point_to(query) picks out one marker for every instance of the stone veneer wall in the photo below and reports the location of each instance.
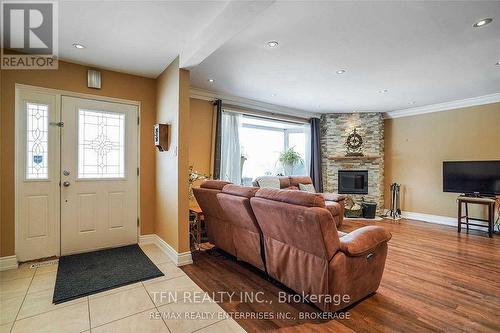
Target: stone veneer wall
(335, 128)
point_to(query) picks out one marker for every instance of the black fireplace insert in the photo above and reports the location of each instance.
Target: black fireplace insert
(353, 181)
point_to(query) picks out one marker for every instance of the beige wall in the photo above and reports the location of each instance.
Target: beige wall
(200, 137)
(172, 210)
(73, 77)
(417, 146)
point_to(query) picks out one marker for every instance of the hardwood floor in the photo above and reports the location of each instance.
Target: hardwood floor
(434, 280)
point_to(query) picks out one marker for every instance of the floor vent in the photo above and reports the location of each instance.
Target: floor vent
(44, 263)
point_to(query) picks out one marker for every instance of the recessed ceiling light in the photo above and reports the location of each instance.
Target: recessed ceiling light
(341, 71)
(79, 46)
(413, 103)
(211, 80)
(272, 43)
(274, 95)
(383, 91)
(498, 63)
(482, 22)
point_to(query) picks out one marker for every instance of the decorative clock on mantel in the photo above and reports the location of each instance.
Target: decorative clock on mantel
(354, 143)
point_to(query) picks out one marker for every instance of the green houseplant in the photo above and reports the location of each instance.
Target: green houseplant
(289, 159)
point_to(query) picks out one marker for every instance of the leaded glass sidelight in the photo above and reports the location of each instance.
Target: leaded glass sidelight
(37, 138)
(101, 144)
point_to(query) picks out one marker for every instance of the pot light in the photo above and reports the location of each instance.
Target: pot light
(341, 71)
(383, 91)
(482, 22)
(211, 80)
(498, 63)
(79, 46)
(272, 43)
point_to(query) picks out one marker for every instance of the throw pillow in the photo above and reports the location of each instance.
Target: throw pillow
(307, 188)
(272, 182)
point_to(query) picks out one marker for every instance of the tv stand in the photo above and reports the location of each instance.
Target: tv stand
(477, 195)
(487, 201)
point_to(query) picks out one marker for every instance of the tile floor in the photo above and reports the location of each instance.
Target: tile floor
(26, 304)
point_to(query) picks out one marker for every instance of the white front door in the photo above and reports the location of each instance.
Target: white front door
(98, 175)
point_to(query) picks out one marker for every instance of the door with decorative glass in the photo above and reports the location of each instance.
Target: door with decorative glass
(98, 175)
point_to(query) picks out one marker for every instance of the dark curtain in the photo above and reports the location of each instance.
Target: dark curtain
(315, 169)
(217, 154)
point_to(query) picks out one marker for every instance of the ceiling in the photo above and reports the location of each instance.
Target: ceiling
(136, 37)
(422, 53)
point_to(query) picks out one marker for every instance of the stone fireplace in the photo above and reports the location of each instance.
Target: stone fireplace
(360, 176)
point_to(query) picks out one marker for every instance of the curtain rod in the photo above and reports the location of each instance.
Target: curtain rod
(264, 114)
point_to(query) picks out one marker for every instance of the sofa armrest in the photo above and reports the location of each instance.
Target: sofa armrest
(333, 197)
(363, 240)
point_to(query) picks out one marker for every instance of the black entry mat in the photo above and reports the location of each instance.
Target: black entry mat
(85, 274)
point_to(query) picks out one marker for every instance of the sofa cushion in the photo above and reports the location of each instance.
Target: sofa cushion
(307, 188)
(296, 180)
(214, 184)
(240, 191)
(292, 197)
(269, 182)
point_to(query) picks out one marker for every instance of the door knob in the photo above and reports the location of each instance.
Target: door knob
(66, 184)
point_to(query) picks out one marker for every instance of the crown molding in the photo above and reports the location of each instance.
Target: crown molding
(250, 103)
(462, 103)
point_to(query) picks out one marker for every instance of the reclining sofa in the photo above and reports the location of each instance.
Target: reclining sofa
(293, 237)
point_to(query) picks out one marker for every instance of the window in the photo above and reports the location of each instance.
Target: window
(37, 138)
(263, 140)
(101, 144)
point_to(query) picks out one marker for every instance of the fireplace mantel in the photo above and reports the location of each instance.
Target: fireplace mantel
(353, 158)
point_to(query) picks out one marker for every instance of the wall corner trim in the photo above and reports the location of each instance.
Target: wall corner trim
(8, 262)
(179, 259)
(457, 104)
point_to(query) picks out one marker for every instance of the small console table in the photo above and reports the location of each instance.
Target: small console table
(489, 202)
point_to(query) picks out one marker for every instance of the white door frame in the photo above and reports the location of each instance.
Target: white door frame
(18, 162)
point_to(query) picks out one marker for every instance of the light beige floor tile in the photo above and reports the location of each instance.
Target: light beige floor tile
(5, 328)
(47, 269)
(43, 281)
(228, 325)
(169, 269)
(144, 322)
(168, 291)
(156, 255)
(9, 307)
(117, 290)
(41, 301)
(119, 305)
(73, 318)
(192, 316)
(14, 288)
(22, 272)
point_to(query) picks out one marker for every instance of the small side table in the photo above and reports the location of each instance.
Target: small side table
(489, 202)
(195, 225)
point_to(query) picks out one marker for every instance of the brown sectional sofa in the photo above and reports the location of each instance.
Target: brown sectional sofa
(334, 202)
(292, 235)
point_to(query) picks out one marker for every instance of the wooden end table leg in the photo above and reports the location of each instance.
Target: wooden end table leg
(459, 216)
(491, 219)
(467, 216)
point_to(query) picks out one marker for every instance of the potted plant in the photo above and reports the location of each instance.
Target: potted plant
(289, 159)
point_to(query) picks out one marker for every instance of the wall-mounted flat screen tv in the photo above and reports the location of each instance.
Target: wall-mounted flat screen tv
(472, 177)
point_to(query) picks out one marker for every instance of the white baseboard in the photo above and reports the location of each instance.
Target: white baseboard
(438, 219)
(180, 259)
(9, 262)
(446, 220)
